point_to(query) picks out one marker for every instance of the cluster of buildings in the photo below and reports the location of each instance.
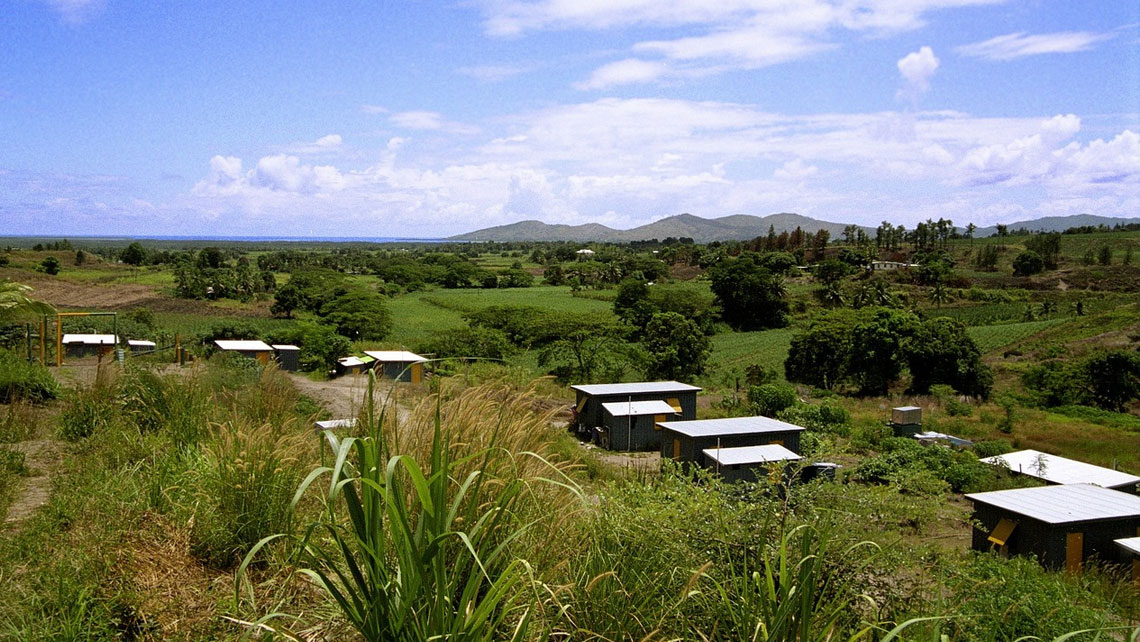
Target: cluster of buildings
(398, 365)
(662, 416)
(1083, 512)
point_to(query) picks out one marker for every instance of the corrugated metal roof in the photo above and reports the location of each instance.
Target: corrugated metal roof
(639, 387)
(244, 345)
(284, 346)
(350, 361)
(141, 343)
(907, 408)
(638, 408)
(1063, 504)
(332, 424)
(1130, 544)
(90, 339)
(731, 426)
(401, 356)
(750, 455)
(1059, 470)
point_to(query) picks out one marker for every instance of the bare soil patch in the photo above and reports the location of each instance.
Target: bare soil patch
(342, 397)
(43, 458)
(72, 295)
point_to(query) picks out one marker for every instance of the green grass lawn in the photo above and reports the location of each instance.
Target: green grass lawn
(547, 297)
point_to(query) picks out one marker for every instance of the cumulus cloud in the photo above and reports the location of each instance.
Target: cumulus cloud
(916, 69)
(1019, 45)
(624, 72)
(630, 160)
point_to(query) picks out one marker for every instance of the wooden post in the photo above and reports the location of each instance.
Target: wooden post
(58, 340)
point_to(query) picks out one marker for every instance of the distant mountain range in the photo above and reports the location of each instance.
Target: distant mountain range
(739, 227)
(702, 230)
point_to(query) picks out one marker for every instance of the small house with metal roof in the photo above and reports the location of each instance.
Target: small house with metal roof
(746, 463)
(88, 345)
(1131, 549)
(352, 365)
(251, 348)
(288, 356)
(686, 441)
(681, 397)
(1062, 525)
(399, 365)
(1052, 469)
(631, 425)
(141, 346)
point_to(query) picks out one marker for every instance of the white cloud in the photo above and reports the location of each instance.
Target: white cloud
(329, 144)
(494, 73)
(916, 69)
(632, 160)
(624, 72)
(730, 34)
(1019, 45)
(75, 11)
(373, 109)
(430, 121)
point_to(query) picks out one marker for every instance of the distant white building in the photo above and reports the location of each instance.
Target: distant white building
(585, 253)
(879, 266)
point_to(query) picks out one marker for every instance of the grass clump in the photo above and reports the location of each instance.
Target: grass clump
(243, 483)
(24, 381)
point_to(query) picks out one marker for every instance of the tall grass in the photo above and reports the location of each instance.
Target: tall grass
(23, 381)
(415, 542)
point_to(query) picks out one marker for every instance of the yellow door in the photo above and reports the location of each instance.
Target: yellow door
(656, 420)
(263, 357)
(417, 372)
(1136, 571)
(775, 443)
(676, 448)
(1074, 552)
(675, 403)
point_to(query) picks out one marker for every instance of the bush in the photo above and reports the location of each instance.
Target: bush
(771, 398)
(1027, 263)
(826, 417)
(20, 380)
(992, 448)
(472, 342)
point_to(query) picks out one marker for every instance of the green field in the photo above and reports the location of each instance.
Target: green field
(738, 350)
(994, 337)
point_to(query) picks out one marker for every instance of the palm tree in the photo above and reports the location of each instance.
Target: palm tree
(15, 302)
(939, 295)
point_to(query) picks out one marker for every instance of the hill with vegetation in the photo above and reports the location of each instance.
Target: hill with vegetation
(739, 227)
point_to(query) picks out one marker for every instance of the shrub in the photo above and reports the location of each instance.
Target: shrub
(826, 417)
(1027, 263)
(20, 380)
(992, 448)
(770, 399)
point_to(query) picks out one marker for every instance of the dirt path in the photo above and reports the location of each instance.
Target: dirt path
(342, 396)
(43, 458)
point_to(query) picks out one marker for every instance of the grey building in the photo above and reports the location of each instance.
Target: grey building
(88, 345)
(288, 357)
(1130, 546)
(906, 421)
(632, 425)
(681, 397)
(1062, 525)
(398, 365)
(746, 463)
(685, 441)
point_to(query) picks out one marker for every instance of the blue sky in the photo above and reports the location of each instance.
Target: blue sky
(425, 119)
